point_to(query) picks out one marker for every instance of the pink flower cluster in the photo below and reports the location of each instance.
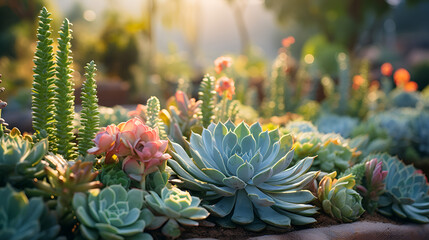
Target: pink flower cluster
(137, 142)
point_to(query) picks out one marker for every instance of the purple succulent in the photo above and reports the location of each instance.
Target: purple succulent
(372, 186)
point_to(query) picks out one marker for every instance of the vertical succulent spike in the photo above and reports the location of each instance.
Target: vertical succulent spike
(344, 82)
(43, 84)
(207, 95)
(3, 104)
(153, 120)
(90, 119)
(64, 100)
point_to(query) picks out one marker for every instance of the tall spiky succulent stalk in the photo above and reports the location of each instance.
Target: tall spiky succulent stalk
(43, 84)
(153, 120)
(207, 95)
(344, 81)
(90, 119)
(2, 105)
(276, 87)
(64, 101)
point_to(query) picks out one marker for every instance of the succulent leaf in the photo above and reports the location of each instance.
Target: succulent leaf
(235, 166)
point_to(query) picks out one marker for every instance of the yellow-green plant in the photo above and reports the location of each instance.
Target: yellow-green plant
(90, 119)
(207, 95)
(64, 99)
(43, 84)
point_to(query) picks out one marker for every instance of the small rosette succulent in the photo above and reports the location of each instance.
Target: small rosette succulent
(173, 207)
(406, 193)
(338, 198)
(141, 146)
(20, 158)
(372, 185)
(112, 213)
(23, 218)
(306, 144)
(420, 127)
(243, 173)
(331, 123)
(66, 178)
(112, 174)
(334, 155)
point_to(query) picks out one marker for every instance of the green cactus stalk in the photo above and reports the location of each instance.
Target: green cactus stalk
(344, 82)
(43, 84)
(276, 87)
(64, 101)
(90, 119)
(207, 95)
(153, 120)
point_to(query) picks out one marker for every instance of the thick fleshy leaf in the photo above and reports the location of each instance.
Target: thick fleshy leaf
(258, 197)
(171, 229)
(270, 216)
(194, 213)
(241, 130)
(223, 191)
(245, 172)
(248, 145)
(135, 198)
(233, 163)
(256, 160)
(214, 174)
(243, 211)
(187, 222)
(234, 182)
(297, 219)
(223, 207)
(83, 217)
(255, 130)
(264, 142)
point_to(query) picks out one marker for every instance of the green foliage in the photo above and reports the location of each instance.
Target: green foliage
(24, 218)
(20, 159)
(64, 99)
(242, 172)
(112, 213)
(332, 123)
(65, 179)
(207, 95)
(112, 115)
(43, 85)
(402, 99)
(344, 82)
(276, 86)
(406, 193)
(153, 120)
(173, 207)
(112, 174)
(89, 118)
(338, 199)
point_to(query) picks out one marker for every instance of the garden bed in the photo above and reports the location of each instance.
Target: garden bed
(373, 226)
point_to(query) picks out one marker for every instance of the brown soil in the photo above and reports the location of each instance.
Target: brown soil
(240, 233)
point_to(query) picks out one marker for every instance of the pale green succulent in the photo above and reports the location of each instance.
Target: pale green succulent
(173, 207)
(332, 123)
(406, 191)
(24, 219)
(338, 198)
(20, 158)
(112, 213)
(242, 172)
(300, 127)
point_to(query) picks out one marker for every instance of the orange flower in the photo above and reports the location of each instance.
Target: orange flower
(286, 42)
(410, 87)
(221, 63)
(226, 85)
(357, 82)
(374, 85)
(401, 77)
(386, 69)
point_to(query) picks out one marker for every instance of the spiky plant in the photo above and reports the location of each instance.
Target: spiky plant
(242, 172)
(207, 95)
(64, 99)
(153, 120)
(43, 84)
(3, 104)
(90, 119)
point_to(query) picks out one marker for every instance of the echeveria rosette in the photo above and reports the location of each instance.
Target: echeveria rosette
(112, 213)
(338, 198)
(372, 185)
(20, 159)
(406, 192)
(112, 174)
(174, 207)
(243, 173)
(334, 154)
(23, 218)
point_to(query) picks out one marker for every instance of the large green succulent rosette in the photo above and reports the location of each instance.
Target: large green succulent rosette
(112, 213)
(242, 173)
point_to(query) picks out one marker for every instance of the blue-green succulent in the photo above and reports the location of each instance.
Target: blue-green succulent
(331, 123)
(23, 218)
(406, 191)
(244, 176)
(112, 213)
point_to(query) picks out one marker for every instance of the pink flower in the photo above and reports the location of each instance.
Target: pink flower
(106, 141)
(226, 85)
(221, 63)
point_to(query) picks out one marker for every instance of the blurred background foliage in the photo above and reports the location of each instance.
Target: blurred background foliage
(150, 47)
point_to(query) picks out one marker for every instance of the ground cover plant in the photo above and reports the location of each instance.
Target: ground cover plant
(154, 172)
